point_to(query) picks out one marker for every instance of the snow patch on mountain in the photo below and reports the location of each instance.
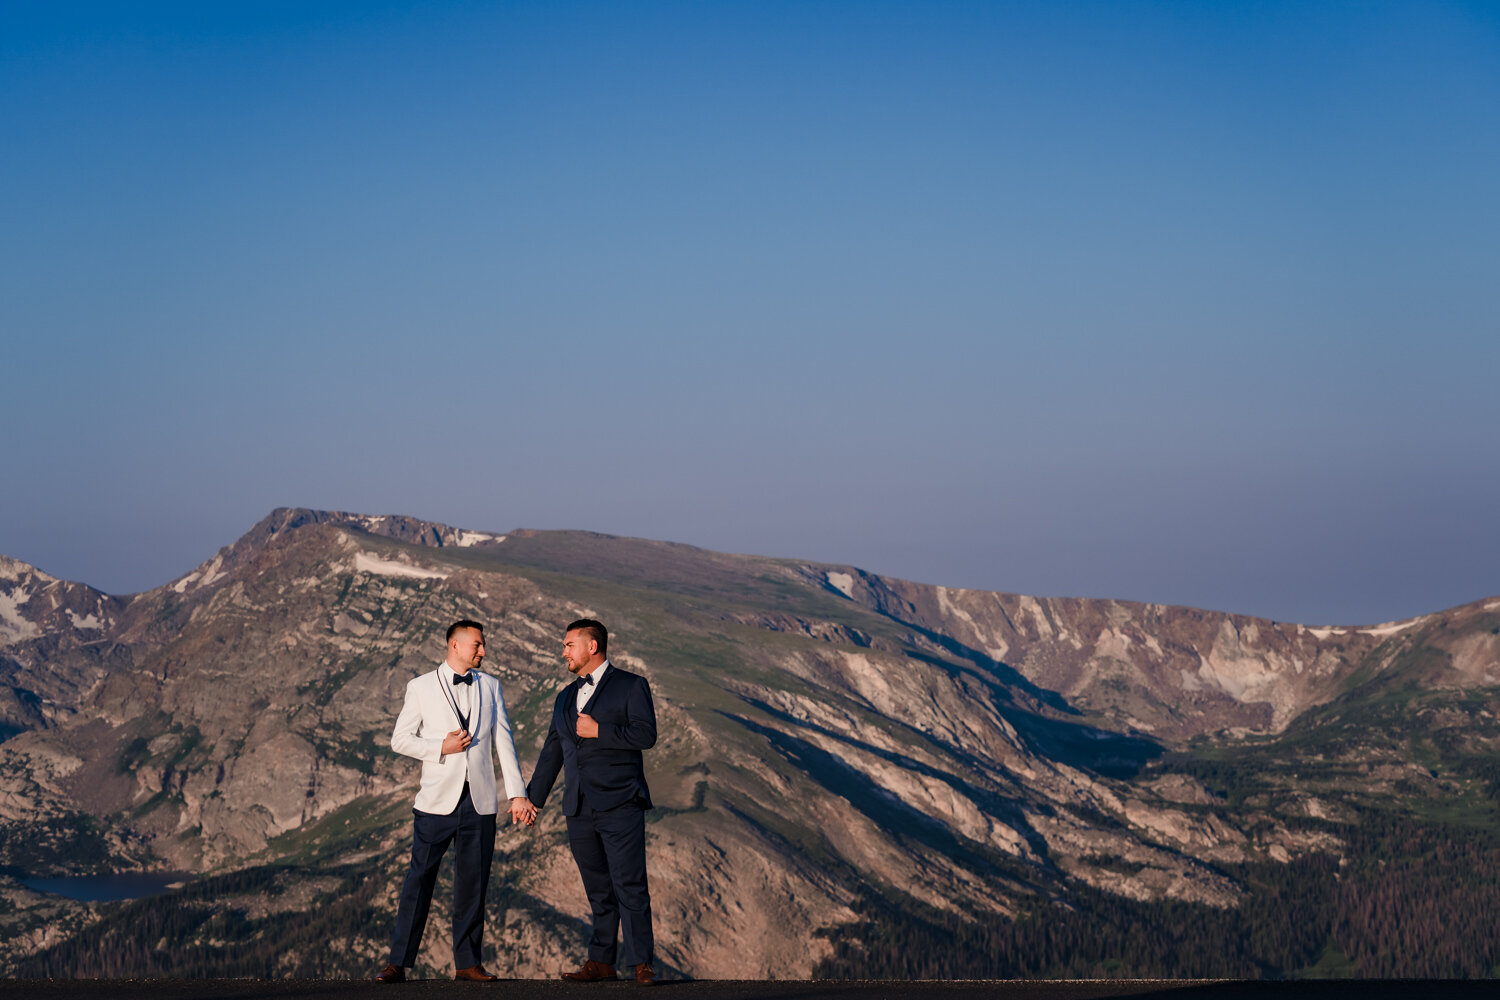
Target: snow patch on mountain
(201, 578)
(14, 626)
(1387, 628)
(89, 621)
(469, 538)
(1391, 628)
(366, 563)
(213, 574)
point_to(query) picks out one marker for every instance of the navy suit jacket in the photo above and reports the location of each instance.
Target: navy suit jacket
(607, 769)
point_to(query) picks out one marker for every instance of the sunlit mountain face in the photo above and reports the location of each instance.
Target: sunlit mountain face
(856, 775)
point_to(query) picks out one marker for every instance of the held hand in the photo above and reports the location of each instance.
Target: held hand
(456, 742)
(587, 727)
(522, 812)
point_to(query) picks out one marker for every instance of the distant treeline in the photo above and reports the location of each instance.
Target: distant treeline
(205, 930)
(1413, 900)
(193, 933)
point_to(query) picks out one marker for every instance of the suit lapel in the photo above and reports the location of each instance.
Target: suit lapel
(450, 703)
(438, 681)
(570, 704)
(569, 709)
(476, 719)
(609, 671)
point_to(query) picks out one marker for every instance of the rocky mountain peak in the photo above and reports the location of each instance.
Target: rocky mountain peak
(828, 735)
(34, 604)
(16, 571)
(412, 530)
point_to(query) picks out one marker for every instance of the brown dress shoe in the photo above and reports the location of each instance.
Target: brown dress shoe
(475, 974)
(591, 972)
(645, 975)
(391, 974)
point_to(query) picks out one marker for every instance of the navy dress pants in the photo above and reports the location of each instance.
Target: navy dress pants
(610, 848)
(474, 838)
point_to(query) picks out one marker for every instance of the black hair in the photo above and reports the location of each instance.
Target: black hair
(595, 630)
(464, 623)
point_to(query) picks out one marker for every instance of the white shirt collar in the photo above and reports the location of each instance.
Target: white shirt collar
(597, 674)
(447, 673)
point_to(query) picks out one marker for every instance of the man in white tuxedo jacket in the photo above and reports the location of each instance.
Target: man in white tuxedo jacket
(454, 722)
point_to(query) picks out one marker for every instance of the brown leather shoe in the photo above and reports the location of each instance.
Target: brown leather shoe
(475, 974)
(391, 974)
(645, 975)
(591, 972)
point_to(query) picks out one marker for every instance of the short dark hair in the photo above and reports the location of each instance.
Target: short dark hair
(596, 631)
(464, 623)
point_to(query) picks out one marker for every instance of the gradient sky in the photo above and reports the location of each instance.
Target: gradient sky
(1196, 303)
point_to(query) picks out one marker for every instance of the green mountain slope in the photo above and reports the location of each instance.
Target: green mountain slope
(856, 775)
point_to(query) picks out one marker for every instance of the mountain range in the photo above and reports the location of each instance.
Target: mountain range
(856, 775)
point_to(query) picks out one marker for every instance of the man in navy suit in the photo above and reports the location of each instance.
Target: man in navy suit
(600, 724)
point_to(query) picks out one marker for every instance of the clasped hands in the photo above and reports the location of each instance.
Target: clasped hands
(522, 812)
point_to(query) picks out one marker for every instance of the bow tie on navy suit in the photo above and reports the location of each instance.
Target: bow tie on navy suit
(463, 678)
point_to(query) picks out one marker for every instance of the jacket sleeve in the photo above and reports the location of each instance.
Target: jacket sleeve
(505, 750)
(406, 738)
(639, 730)
(547, 766)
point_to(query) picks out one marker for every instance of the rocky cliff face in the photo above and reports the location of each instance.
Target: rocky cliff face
(1172, 672)
(826, 733)
(42, 621)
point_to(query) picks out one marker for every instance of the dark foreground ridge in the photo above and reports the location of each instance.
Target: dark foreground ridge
(525, 989)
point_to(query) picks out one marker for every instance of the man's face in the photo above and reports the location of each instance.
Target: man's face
(578, 650)
(466, 649)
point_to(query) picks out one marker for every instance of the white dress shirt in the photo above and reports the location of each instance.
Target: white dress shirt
(463, 698)
(586, 691)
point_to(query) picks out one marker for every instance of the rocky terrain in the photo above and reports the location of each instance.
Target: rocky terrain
(846, 760)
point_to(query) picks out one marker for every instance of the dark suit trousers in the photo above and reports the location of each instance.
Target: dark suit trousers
(610, 848)
(474, 836)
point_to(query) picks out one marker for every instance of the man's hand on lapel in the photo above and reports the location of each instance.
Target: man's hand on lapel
(587, 727)
(456, 742)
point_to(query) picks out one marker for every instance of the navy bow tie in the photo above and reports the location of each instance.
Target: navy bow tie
(588, 681)
(463, 678)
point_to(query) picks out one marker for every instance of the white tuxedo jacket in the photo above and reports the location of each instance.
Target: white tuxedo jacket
(427, 717)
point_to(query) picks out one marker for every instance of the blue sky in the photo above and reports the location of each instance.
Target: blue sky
(1182, 302)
